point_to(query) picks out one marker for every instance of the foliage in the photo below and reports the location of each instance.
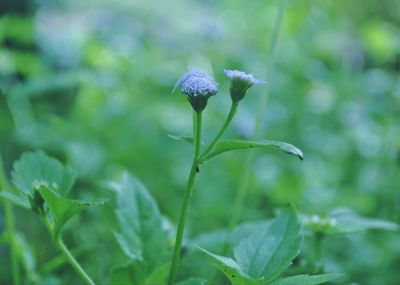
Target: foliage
(86, 103)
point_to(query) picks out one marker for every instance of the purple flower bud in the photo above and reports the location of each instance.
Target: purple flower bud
(198, 86)
(240, 83)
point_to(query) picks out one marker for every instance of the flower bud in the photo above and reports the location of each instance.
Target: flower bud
(37, 202)
(240, 83)
(198, 86)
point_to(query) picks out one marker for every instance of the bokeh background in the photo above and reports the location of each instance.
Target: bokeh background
(90, 82)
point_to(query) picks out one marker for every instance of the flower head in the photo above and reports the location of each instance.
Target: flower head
(240, 83)
(198, 86)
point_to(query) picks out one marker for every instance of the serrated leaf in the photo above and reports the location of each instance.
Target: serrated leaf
(306, 279)
(62, 209)
(228, 145)
(270, 251)
(193, 281)
(232, 270)
(37, 168)
(142, 237)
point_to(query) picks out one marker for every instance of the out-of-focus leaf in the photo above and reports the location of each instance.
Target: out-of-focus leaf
(232, 270)
(16, 199)
(228, 145)
(45, 84)
(216, 240)
(60, 260)
(269, 252)
(120, 275)
(347, 221)
(142, 237)
(182, 138)
(35, 168)
(62, 209)
(3, 238)
(307, 279)
(27, 258)
(159, 275)
(193, 281)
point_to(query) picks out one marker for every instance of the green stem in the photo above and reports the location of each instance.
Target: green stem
(73, 261)
(185, 204)
(60, 244)
(229, 118)
(318, 239)
(9, 215)
(242, 190)
(241, 193)
(10, 224)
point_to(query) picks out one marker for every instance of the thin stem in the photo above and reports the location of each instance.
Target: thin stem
(9, 216)
(241, 193)
(73, 261)
(185, 204)
(242, 190)
(229, 118)
(60, 244)
(318, 240)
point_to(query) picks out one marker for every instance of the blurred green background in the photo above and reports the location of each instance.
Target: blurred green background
(90, 82)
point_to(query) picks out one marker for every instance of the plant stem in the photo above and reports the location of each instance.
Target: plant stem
(60, 244)
(9, 216)
(189, 190)
(241, 193)
(231, 114)
(73, 261)
(318, 239)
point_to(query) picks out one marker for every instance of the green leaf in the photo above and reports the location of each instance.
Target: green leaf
(142, 237)
(59, 261)
(27, 258)
(20, 201)
(62, 209)
(36, 168)
(347, 221)
(228, 145)
(307, 279)
(217, 239)
(159, 275)
(270, 251)
(232, 270)
(4, 238)
(182, 138)
(121, 274)
(193, 281)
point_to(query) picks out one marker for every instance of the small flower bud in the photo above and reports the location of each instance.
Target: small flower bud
(36, 201)
(198, 86)
(240, 83)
